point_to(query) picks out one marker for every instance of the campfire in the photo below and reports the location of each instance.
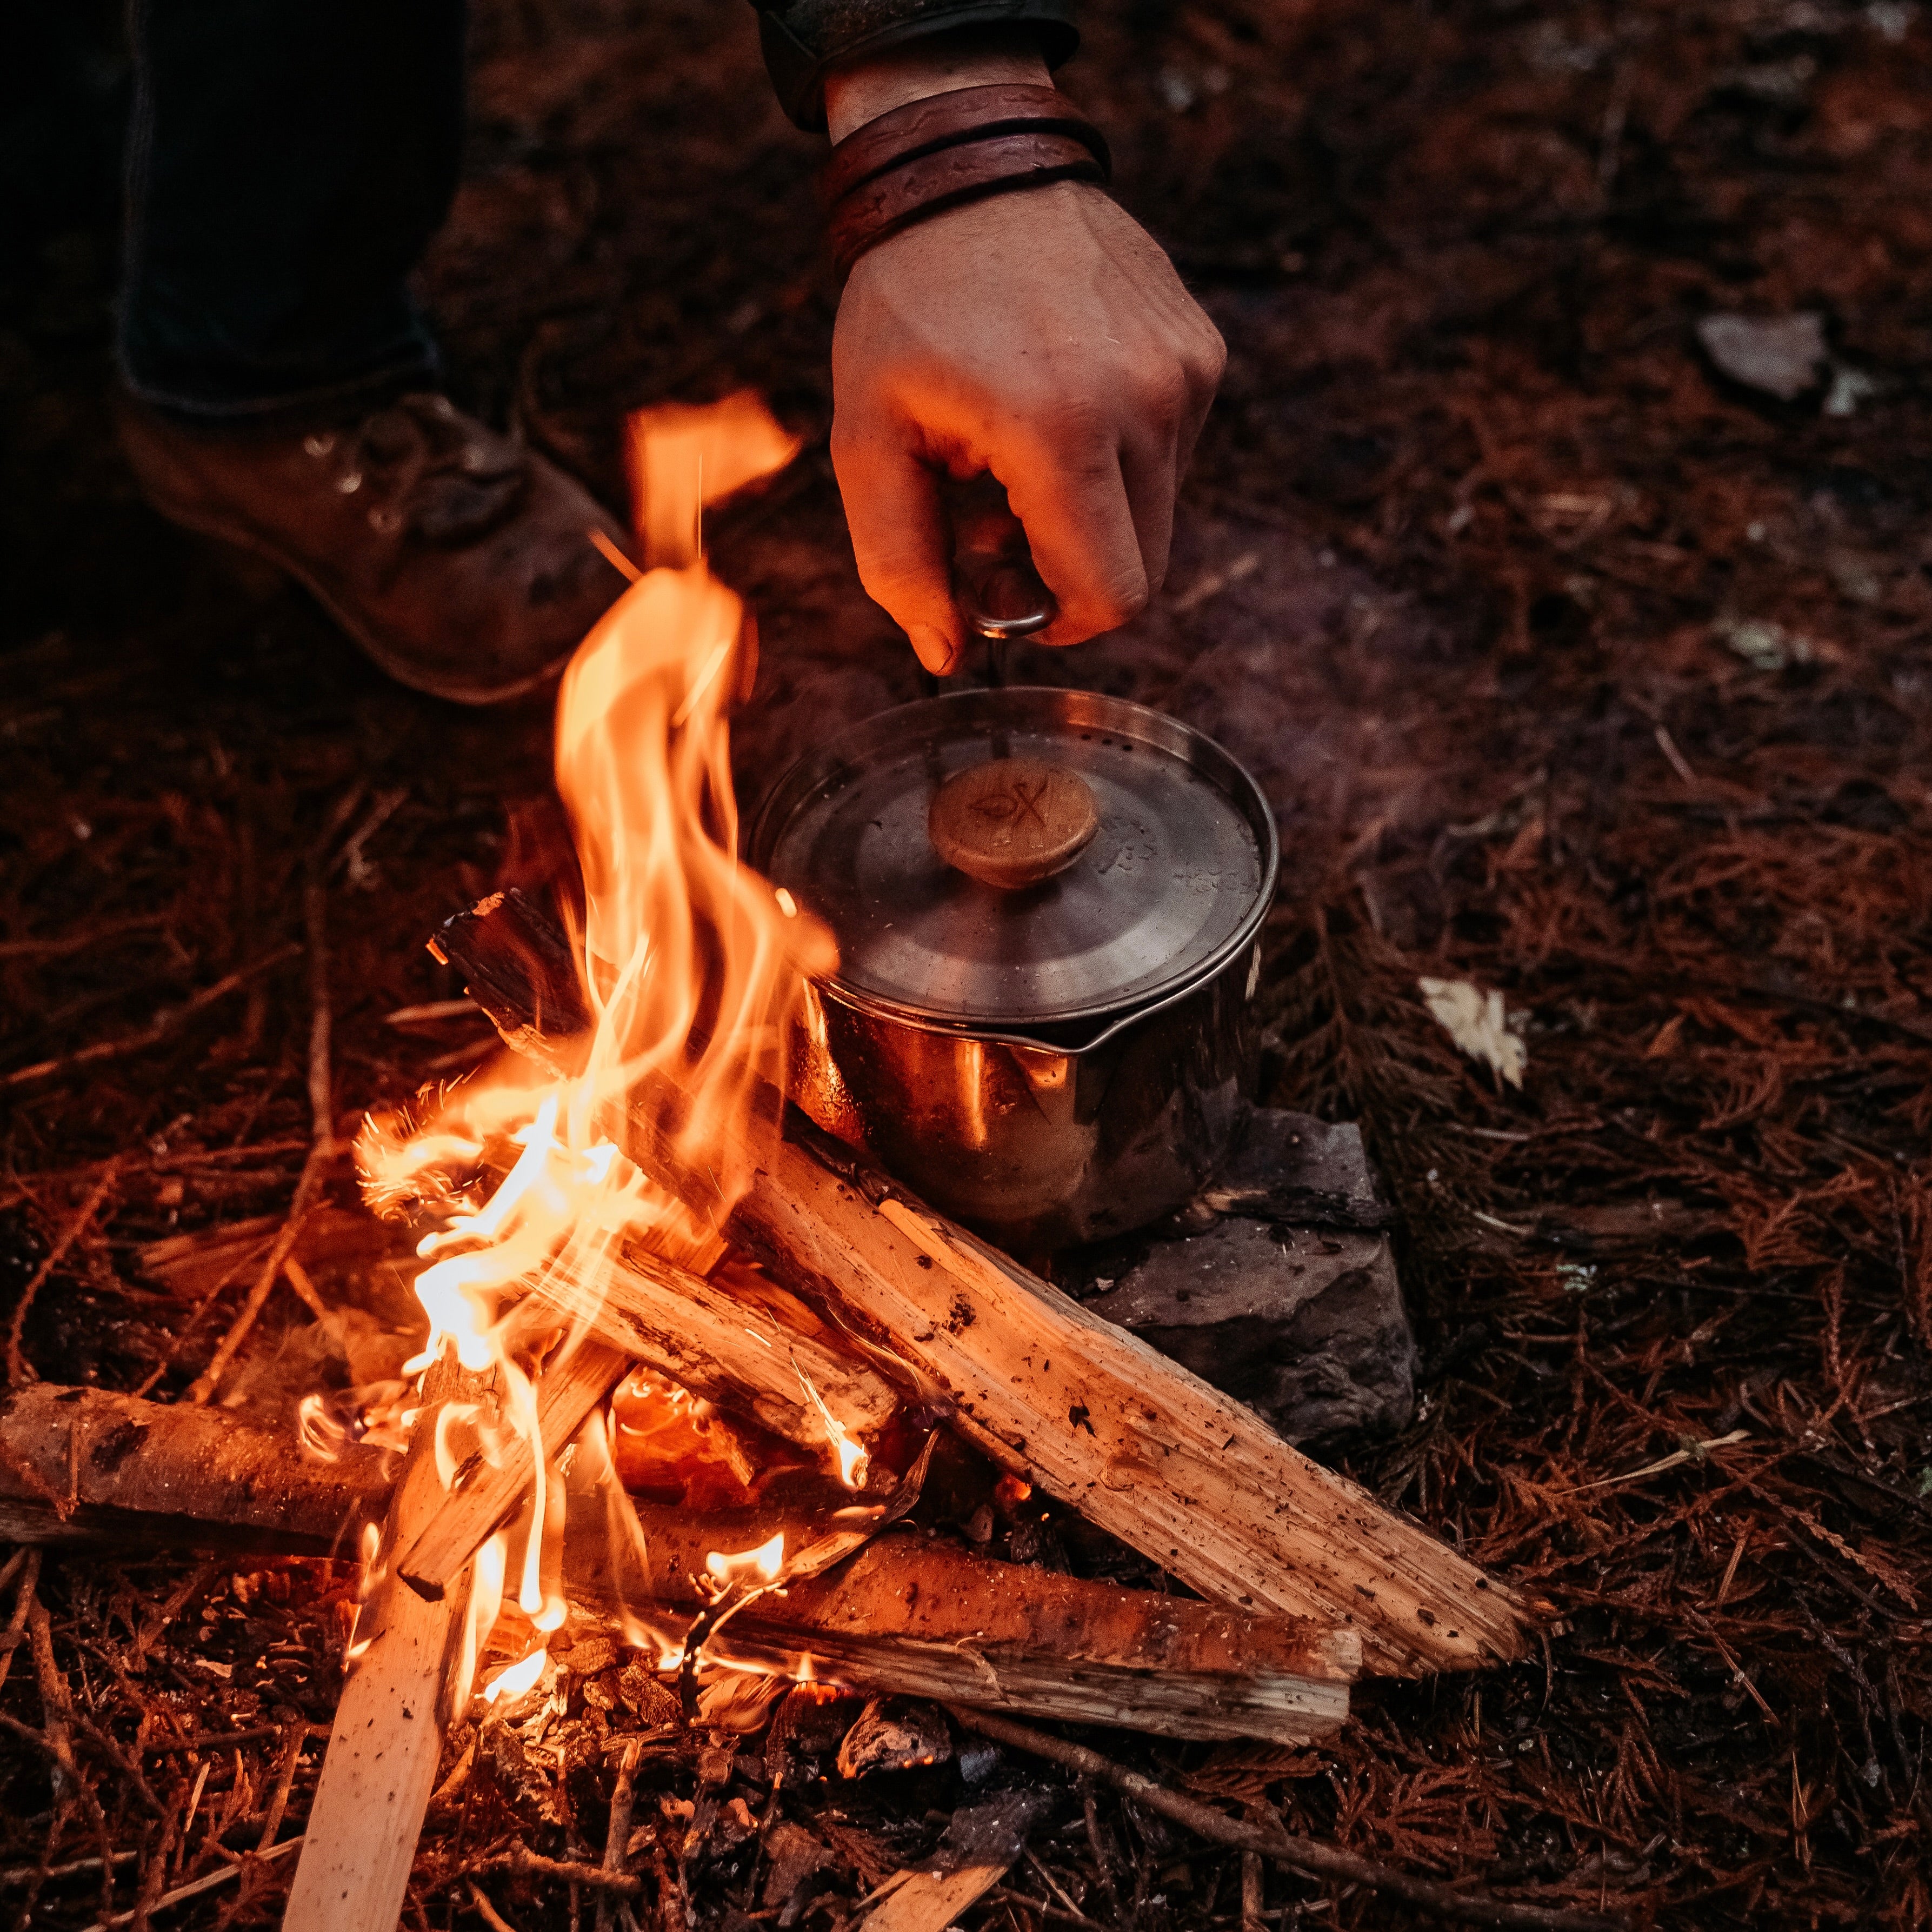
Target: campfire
(691, 1367)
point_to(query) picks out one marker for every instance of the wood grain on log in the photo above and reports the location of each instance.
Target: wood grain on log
(1191, 1479)
(915, 1614)
(707, 1341)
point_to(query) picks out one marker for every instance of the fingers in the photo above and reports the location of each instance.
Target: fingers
(900, 537)
(1151, 473)
(1097, 492)
(1044, 338)
(1068, 490)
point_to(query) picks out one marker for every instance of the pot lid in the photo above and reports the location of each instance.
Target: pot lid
(1165, 849)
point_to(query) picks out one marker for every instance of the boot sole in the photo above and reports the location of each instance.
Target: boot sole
(257, 551)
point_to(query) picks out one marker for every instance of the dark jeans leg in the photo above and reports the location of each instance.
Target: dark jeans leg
(288, 162)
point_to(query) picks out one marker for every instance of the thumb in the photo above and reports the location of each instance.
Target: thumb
(902, 540)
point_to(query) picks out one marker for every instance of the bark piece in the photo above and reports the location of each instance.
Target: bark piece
(795, 1856)
(1171, 1466)
(1305, 1326)
(895, 1735)
(915, 1615)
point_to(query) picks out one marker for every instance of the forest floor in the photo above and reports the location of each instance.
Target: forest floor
(1576, 668)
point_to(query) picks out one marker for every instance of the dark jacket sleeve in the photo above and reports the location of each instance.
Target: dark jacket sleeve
(802, 38)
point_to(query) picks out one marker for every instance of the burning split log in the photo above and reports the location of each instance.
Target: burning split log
(1191, 1480)
(455, 1521)
(916, 1615)
(677, 1322)
(706, 1340)
(911, 1613)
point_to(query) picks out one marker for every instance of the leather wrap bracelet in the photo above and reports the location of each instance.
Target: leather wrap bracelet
(949, 149)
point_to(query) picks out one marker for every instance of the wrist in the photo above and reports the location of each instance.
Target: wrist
(860, 91)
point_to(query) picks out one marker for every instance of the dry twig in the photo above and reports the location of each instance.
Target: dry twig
(1305, 1855)
(163, 1027)
(19, 1369)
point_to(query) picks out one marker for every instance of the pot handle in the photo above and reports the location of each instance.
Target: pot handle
(994, 583)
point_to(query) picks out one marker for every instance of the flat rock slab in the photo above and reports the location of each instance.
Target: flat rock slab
(1286, 1299)
(1292, 1167)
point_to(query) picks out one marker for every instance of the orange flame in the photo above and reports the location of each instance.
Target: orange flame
(691, 962)
(518, 1678)
(764, 1563)
(692, 966)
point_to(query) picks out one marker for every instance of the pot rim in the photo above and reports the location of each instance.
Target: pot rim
(870, 1008)
(814, 769)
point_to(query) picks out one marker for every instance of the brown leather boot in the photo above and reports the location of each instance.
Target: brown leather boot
(459, 560)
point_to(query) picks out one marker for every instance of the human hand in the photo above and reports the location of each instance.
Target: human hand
(1042, 336)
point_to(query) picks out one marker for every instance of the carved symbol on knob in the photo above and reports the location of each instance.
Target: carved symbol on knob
(1013, 822)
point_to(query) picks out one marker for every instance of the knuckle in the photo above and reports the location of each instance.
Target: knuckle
(1203, 362)
(1167, 394)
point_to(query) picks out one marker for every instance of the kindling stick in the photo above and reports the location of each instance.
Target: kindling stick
(431, 1562)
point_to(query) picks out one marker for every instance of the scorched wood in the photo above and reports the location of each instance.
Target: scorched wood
(1191, 1479)
(916, 1615)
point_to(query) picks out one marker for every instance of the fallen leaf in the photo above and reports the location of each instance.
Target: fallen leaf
(1475, 1021)
(1781, 355)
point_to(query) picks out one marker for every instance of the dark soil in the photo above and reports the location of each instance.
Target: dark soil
(1575, 669)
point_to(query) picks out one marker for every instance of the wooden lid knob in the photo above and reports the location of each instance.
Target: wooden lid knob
(1013, 822)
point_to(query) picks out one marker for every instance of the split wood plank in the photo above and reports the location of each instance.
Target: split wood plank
(1192, 1479)
(705, 1339)
(367, 1813)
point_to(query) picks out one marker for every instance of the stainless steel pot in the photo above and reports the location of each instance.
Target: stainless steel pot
(1050, 1061)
